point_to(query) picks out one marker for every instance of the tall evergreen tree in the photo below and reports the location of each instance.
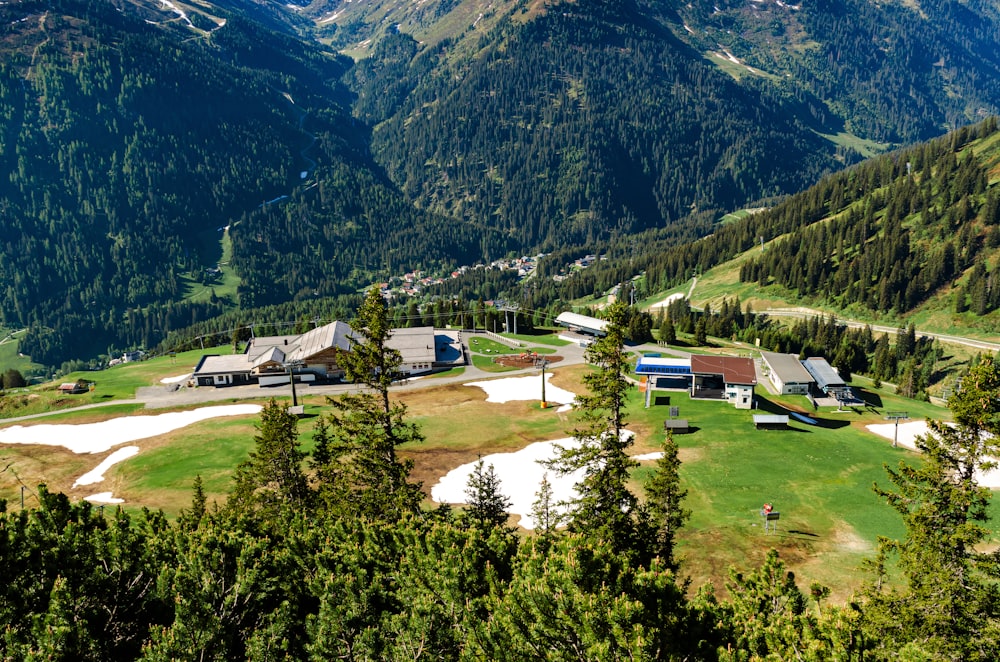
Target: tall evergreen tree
(604, 506)
(663, 500)
(949, 605)
(367, 427)
(487, 504)
(544, 510)
(273, 479)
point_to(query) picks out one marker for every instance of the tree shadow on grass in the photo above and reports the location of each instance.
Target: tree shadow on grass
(767, 406)
(871, 398)
(830, 424)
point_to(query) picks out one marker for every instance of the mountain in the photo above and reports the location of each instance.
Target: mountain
(910, 236)
(133, 134)
(169, 161)
(890, 72)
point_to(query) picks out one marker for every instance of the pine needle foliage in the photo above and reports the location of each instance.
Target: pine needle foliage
(605, 506)
(367, 427)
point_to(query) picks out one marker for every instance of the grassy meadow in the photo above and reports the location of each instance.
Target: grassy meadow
(10, 357)
(818, 477)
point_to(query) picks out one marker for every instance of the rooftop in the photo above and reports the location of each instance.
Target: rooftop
(582, 322)
(824, 373)
(788, 367)
(734, 370)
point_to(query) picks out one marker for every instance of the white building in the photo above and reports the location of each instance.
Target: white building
(787, 374)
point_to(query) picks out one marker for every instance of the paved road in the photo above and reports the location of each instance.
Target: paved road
(174, 395)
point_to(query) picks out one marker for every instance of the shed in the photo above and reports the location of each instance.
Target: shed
(787, 373)
(826, 376)
(582, 323)
(675, 425)
(770, 421)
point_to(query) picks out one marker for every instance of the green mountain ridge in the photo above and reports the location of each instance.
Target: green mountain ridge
(468, 131)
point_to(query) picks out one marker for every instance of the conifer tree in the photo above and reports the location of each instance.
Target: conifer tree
(190, 519)
(663, 500)
(604, 507)
(487, 504)
(949, 605)
(367, 427)
(668, 333)
(273, 479)
(544, 511)
(701, 331)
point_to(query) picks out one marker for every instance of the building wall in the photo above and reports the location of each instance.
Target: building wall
(414, 368)
(324, 363)
(740, 396)
(791, 388)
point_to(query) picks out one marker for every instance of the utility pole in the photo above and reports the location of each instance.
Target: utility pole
(291, 377)
(895, 417)
(544, 363)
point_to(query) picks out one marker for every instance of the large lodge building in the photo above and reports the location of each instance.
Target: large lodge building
(267, 360)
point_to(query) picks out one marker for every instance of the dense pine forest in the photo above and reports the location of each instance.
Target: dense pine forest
(151, 148)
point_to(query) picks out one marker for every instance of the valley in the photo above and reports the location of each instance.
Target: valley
(738, 190)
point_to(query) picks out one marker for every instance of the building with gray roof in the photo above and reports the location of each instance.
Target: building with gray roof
(787, 373)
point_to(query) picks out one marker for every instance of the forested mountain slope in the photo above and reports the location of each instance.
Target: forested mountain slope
(132, 134)
(914, 232)
(891, 71)
(572, 125)
(133, 130)
(894, 72)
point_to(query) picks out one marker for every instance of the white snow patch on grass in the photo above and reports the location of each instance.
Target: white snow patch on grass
(103, 497)
(96, 475)
(525, 388)
(520, 475)
(174, 380)
(103, 436)
(670, 299)
(908, 433)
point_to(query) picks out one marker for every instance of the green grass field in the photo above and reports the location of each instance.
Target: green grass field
(818, 477)
(215, 249)
(483, 345)
(551, 339)
(9, 356)
(116, 383)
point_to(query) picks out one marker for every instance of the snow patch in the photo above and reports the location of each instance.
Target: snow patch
(525, 388)
(96, 475)
(520, 475)
(907, 436)
(103, 436)
(103, 497)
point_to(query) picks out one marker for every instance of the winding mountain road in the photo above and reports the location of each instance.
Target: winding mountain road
(805, 313)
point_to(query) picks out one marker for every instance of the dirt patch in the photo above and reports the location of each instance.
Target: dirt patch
(846, 539)
(32, 466)
(526, 360)
(690, 454)
(431, 464)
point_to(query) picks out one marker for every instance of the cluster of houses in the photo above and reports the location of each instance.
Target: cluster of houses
(313, 356)
(733, 379)
(810, 377)
(411, 283)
